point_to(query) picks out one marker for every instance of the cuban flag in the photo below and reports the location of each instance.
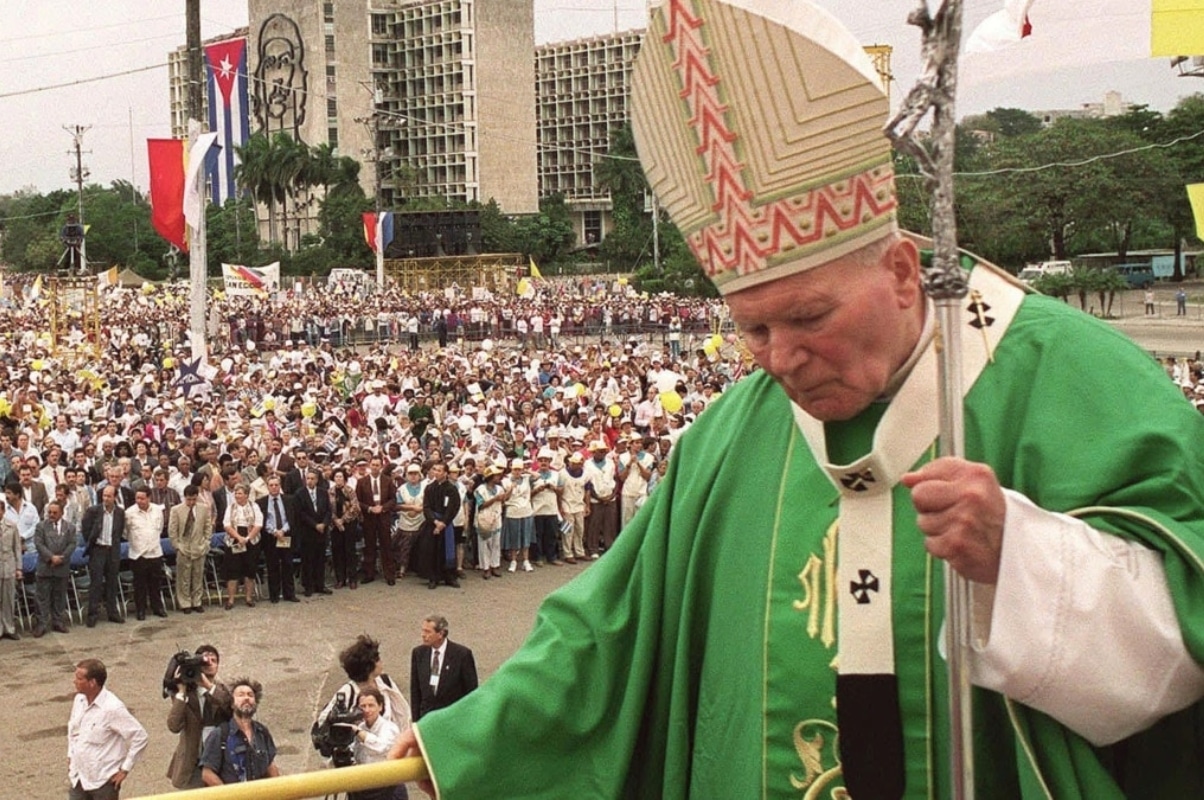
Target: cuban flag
(226, 71)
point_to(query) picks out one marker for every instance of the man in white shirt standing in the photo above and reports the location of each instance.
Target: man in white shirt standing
(104, 741)
(143, 526)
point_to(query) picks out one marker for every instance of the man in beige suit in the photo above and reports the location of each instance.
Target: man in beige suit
(10, 574)
(189, 527)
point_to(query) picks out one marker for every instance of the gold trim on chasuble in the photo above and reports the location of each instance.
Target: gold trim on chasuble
(816, 741)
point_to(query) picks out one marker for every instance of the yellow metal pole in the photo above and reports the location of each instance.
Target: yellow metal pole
(311, 784)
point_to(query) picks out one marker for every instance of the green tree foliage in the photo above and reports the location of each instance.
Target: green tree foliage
(341, 222)
(1011, 122)
(231, 234)
(29, 223)
(630, 240)
(1099, 204)
(119, 227)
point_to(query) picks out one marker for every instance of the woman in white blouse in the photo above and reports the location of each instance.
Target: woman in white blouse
(242, 523)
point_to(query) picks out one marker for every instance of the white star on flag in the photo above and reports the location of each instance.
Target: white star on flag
(226, 66)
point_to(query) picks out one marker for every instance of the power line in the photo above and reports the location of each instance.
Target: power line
(81, 81)
(31, 216)
(60, 34)
(1068, 164)
(106, 46)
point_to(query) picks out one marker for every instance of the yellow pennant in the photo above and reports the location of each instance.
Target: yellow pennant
(1195, 193)
(1176, 28)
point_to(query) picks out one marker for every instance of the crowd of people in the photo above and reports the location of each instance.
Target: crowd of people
(296, 465)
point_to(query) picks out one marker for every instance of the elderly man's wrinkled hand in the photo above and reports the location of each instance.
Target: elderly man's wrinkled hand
(960, 510)
(406, 746)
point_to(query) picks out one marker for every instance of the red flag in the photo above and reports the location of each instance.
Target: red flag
(370, 229)
(167, 189)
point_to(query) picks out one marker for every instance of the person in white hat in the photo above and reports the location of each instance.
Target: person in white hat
(770, 625)
(518, 527)
(601, 489)
(489, 498)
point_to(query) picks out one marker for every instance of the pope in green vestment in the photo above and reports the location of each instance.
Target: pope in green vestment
(694, 659)
(803, 528)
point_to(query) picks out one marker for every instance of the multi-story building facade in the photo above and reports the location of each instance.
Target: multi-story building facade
(582, 91)
(456, 101)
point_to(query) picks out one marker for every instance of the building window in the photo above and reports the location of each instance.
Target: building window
(332, 136)
(591, 224)
(328, 12)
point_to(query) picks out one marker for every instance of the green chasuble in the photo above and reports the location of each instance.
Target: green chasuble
(697, 658)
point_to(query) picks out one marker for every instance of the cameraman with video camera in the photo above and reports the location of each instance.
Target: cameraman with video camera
(362, 663)
(199, 703)
(374, 736)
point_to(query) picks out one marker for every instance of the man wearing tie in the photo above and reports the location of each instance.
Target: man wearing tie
(279, 519)
(377, 498)
(163, 495)
(196, 709)
(313, 520)
(293, 480)
(441, 672)
(54, 540)
(102, 528)
(279, 460)
(188, 528)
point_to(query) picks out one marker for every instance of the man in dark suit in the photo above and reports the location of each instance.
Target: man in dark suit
(280, 461)
(223, 498)
(194, 708)
(54, 539)
(33, 490)
(279, 526)
(103, 527)
(313, 522)
(441, 672)
(293, 480)
(377, 496)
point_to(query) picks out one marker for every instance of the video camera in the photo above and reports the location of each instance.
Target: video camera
(335, 738)
(184, 667)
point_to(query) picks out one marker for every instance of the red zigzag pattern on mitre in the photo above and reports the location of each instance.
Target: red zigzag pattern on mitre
(746, 237)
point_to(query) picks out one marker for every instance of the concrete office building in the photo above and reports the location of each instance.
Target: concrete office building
(456, 103)
(582, 91)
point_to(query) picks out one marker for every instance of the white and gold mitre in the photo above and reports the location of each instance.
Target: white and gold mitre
(759, 126)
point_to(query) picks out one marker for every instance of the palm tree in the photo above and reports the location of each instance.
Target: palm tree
(286, 168)
(322, 165)
(619, 170)
(252, 175)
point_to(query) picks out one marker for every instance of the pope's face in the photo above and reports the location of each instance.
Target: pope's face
(833, 336)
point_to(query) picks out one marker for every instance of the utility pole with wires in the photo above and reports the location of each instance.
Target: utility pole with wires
(72, 235)
(372, 123)
(197, 267)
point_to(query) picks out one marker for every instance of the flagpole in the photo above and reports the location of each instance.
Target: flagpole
(947, 284)
(380, 249)
(197, 271)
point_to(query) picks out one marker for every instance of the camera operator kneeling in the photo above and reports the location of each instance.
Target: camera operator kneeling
(374, 735)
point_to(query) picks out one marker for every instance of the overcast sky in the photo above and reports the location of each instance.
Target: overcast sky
(47, 42)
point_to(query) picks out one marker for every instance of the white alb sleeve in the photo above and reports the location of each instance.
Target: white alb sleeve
(1081, 627)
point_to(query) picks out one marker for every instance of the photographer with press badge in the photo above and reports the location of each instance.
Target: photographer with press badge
(199, 703)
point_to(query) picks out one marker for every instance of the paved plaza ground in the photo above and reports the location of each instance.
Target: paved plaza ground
(291, 648)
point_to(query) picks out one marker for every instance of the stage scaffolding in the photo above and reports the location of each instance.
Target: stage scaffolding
(74, 311)
(497, 272)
